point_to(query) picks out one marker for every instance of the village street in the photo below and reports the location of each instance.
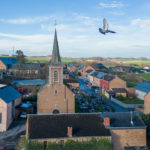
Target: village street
(10, 137)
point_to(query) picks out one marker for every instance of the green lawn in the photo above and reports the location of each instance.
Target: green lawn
(41, 60)
(47, 59)
(128, 100)
(131, 84)
(146, 76)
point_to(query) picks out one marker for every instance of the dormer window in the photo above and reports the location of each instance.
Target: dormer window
(55, 76)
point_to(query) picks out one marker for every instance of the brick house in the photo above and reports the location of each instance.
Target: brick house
(63, 127)
(54, 96)
(97, 76)
(100, 67)
(72, 67)
(147, 104)
(86, 70)
(28, 68)
(9, 99)
(82, 127)
(126, 130)
(119, 92)
(109, 82)
(142, 89)
(146, 108)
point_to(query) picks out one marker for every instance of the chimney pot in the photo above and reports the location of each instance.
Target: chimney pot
(69, 131)
(106, 122)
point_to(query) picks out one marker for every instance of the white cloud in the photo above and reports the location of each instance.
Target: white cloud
(31, 38)
(114, 4)
(28, 20)
(142, 23)
(77, 39)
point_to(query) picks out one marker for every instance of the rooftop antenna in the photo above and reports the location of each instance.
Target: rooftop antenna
(131, 118)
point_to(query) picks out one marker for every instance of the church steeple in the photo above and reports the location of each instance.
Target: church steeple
(56, 60)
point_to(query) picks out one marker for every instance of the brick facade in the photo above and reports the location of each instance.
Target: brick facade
(147, 104)
(117, 83)
(128, 137)
(56, 96)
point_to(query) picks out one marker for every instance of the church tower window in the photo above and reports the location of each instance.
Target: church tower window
(56, 92)
(55, 76)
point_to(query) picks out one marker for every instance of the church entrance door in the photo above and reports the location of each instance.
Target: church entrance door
(56, 111)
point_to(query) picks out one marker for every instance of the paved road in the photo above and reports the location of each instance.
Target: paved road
(10, 137)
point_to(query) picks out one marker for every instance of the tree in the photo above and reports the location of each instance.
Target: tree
(21, 59)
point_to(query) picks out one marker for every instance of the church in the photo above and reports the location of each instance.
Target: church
(55, 97)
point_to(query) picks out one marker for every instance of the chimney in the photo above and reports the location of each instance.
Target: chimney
(106, 122)
(69, 132)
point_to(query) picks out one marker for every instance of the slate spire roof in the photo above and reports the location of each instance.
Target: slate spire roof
(56, 60)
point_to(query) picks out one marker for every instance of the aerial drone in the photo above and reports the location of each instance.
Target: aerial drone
(105, 28)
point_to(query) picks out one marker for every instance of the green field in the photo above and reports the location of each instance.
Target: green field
(129, 61)
(47, 59)
(146, 76)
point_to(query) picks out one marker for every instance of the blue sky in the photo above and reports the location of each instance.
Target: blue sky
(29, 25)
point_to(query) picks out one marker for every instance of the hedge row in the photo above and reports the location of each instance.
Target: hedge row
(93, 144)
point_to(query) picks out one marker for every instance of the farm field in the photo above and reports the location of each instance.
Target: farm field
(47, 59)
(130, 61)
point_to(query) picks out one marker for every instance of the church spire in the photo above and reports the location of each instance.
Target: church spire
(56, 60)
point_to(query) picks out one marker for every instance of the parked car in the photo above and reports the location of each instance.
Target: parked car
(23, 115)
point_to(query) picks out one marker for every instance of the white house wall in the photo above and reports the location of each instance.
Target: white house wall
(140, 94)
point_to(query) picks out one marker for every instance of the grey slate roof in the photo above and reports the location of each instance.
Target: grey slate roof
(9, 94)
(108, 77)
(121, 120)
(56, 60)
(55, 126)
(27, 66)
(143, 86)
(29, 82)
(119, 90)
(81, 66)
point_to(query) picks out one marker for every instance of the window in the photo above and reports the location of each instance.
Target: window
(55, 76)
(56, 92)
